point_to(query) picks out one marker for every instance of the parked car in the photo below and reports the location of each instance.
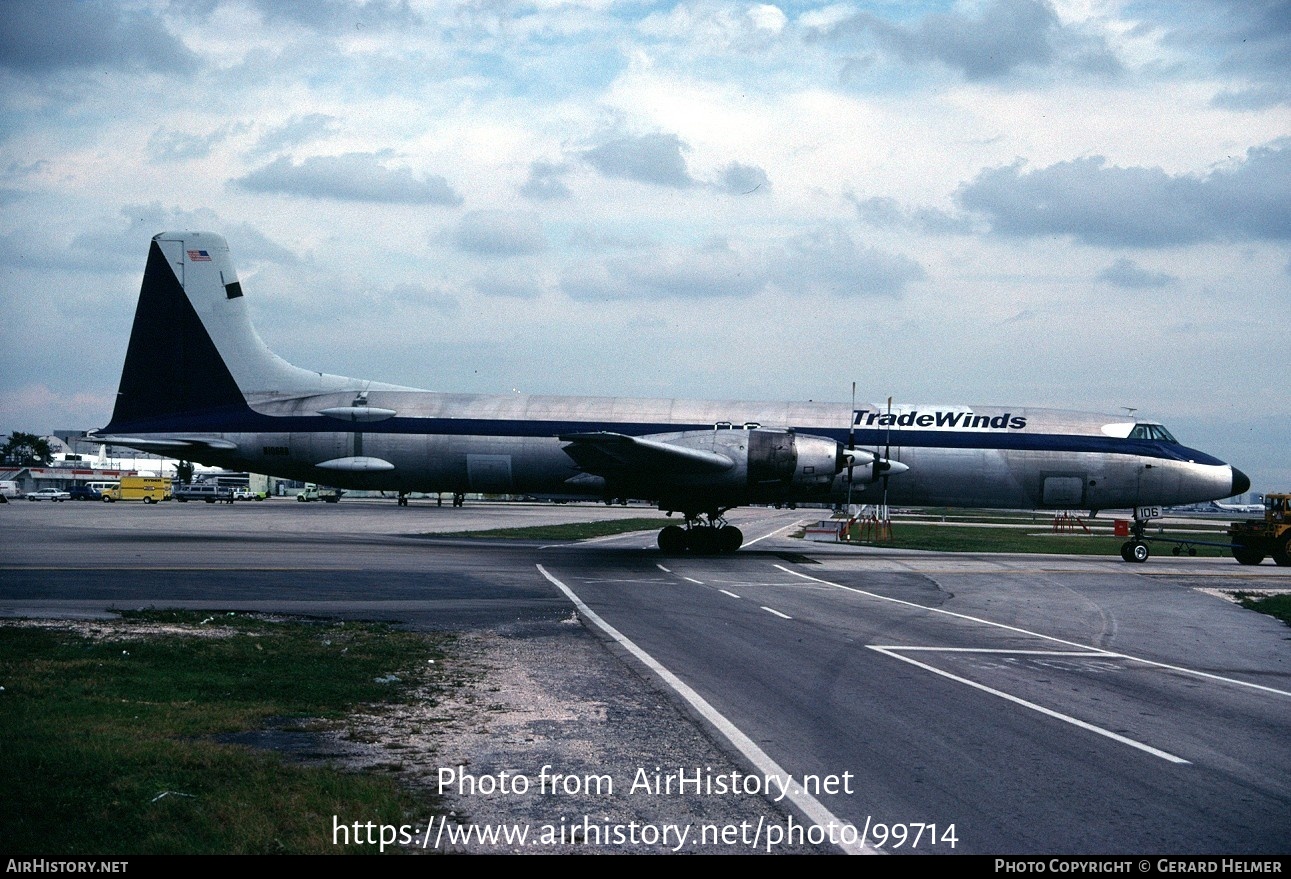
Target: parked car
(246, 494)
(48, 494)
(85, 493)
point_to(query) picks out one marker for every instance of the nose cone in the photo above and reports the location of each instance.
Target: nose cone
(1241, 482)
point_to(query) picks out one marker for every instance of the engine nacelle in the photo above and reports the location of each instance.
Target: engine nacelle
(767, 462)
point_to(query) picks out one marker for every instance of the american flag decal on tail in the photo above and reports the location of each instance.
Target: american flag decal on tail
(198, 256)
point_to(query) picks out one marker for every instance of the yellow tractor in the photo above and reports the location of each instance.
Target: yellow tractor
(1256, 538)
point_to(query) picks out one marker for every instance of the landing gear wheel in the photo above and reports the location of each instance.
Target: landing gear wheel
(1139, 551)
(1282, 552)
(729, 539)
(672, 540)
(1247, 556)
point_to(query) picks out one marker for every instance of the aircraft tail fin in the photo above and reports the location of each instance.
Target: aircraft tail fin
(193, 351)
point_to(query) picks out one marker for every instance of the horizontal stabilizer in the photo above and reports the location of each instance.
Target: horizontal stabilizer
(603, 451)
(166, 443)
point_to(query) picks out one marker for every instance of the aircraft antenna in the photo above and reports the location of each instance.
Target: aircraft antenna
(885, 520)
(851, 447)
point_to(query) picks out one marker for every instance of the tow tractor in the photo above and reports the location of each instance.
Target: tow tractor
(1253, 539)
(1250, 540)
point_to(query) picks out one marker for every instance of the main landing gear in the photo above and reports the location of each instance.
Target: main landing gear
(705, 538)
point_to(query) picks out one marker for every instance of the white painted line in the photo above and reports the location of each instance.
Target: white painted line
(662, 568)
(725, 592)
(1091, 653)
(1180, 669)
(810, 807)
(772, 534)
(1066, 718)
(783, 616)
(693, 580)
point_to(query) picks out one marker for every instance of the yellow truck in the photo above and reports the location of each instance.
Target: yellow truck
(1256, 538)
(149, 489)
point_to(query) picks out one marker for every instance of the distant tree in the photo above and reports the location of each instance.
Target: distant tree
(26, 450)
(184, 472)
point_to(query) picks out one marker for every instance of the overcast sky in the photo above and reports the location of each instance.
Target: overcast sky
(1077, 203)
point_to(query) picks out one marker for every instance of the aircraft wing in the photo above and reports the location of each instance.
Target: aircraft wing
(604, 452)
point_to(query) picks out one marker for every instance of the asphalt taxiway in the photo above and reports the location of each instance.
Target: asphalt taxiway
(1053, 704)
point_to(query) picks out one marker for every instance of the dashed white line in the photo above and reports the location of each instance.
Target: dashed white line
(728, 592)
(811, 807)
(783, 616)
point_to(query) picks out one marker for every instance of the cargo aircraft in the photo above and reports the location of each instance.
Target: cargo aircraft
(199, 384)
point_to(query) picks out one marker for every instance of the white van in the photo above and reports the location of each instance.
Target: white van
(8, 489)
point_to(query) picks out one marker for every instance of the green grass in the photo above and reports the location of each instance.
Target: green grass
(106, 743)
(966, 538)
(571, 531)
(1274, 605)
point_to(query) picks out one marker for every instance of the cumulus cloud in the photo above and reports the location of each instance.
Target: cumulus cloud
(73, 34)
(295, 131)
(501, 233)
(738, 179)
(1251, 40)
(1127, 273)
(1145, 207)
(888, 213)
(990, 43)
(178, 146)
(350, 177)
(714, 26)
(712, 270)
(340, 15)
(650, 158)
(544, 183)
(829, 262)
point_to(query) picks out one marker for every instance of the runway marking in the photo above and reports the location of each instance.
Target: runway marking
(772, 534)
(662, 568)
(725, 592)
(692, 579)
(1126, 656)
(812, 808)
(895, 653)
(783, 616)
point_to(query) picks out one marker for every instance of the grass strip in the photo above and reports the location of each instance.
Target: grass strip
(106, 732)
(1274, 605)
(571, 531)
(966, 538)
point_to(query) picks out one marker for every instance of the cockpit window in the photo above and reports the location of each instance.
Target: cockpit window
(1152, 432)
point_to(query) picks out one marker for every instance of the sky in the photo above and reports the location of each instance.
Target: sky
(1064, 203)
